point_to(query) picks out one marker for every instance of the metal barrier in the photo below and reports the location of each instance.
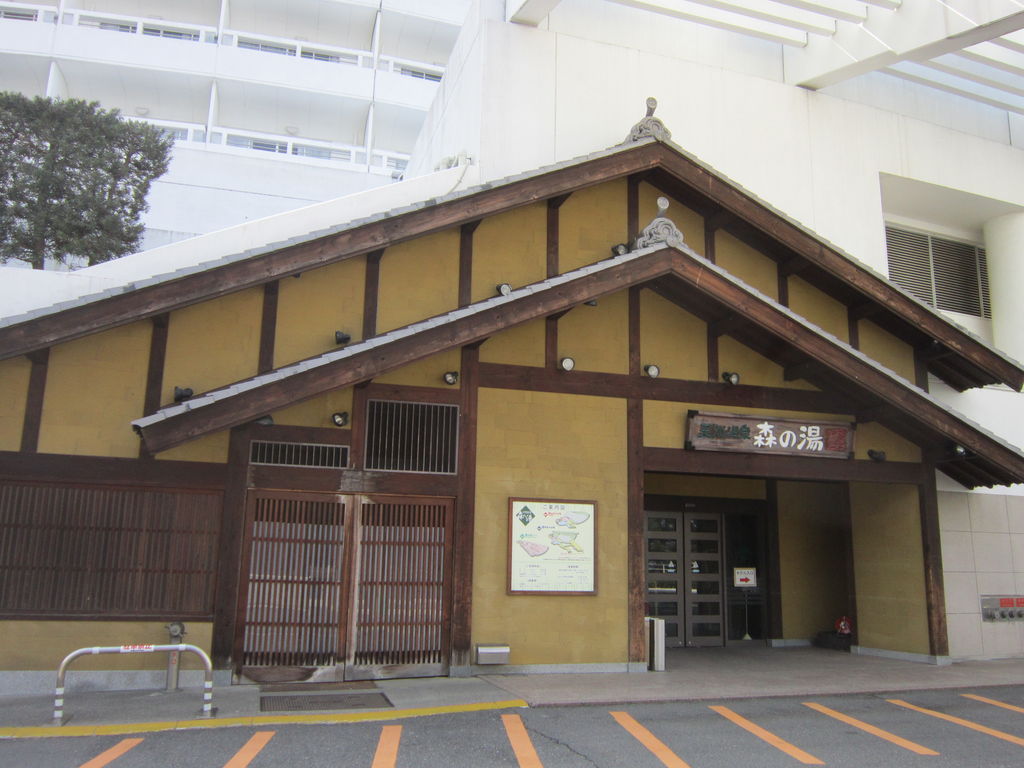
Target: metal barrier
(58, 694)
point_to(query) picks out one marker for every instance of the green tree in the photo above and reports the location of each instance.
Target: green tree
(73, 179)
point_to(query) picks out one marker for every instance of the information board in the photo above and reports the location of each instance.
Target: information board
(552, 547)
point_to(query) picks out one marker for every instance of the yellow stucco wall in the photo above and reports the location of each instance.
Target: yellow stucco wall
(312, 306)
(750, 266)
(597, 338)
(418, 279)
(752, 367)
(14, 376)
(521, 345)
(590, 223)
(95, 386)
(874, 435)
(212, 448)
(672, 338)
(317, 411)
(882, 346)
(687, 221)
(705, 485)
(42, 645)
(425, 373)
(510, 248)
(213, 343)
(812, 557)
(818, 307)
(889, 567)
(541, 445)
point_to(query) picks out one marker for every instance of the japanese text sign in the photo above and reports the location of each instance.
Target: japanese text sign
(708, 431)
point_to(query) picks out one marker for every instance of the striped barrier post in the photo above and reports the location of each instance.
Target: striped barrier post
(58, 693)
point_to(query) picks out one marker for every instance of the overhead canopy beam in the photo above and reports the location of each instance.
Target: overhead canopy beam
(914, 32)
(531, 12)
(734, 20)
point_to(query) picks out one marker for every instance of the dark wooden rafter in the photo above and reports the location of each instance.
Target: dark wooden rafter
(637, 583)
(232, 531)
(927, 420)
(676, 460)
(931, 546)
(466, 262)
(365, 364)
(909, 315)
(679, 175)
(155, 370)
(33, 418)
(465, 511)
(371, 291)
(101, 470)
(268, 326)
(803, 370)
(500, 376)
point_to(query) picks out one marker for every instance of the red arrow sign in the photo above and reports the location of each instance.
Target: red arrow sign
(744, 579)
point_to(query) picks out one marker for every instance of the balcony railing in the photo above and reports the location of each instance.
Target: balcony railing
(382, 162)
(267, 44)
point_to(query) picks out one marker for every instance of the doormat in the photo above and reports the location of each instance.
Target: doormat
(316, 702)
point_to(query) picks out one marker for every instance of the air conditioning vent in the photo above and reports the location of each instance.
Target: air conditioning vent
(412, 437)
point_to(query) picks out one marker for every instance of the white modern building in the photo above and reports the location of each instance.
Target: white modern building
(272, 105)
(895, 130)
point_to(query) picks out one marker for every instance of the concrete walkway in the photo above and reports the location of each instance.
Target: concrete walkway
(719, 673)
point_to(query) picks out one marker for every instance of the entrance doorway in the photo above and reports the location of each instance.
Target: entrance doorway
(358, 583)
(692, 549)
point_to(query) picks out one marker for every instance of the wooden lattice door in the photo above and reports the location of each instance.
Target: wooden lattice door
(402, 591)
(359, 581)
(294, 601)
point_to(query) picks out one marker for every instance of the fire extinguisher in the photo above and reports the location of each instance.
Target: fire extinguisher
(844, 626)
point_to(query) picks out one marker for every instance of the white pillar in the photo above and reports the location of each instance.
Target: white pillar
(1004, 250)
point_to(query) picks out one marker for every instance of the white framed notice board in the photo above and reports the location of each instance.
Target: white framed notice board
(552, 547)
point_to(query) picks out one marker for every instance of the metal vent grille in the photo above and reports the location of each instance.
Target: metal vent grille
(412, 437)
(279, 454)
(947, 274)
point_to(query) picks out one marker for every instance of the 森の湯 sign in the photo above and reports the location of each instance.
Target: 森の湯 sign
(707, 431)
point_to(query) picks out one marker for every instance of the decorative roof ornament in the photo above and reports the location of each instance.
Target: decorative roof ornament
(660, 230)
(649, 126)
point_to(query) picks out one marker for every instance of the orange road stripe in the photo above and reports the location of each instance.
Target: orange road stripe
(526, 755)
(112, 754)
(891, 737)
(387, 747)
(250, 749)
(649, 740)
(771, 738)
(965, 723)
(993, 702)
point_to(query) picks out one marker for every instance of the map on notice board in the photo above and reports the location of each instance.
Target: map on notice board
(552, 546)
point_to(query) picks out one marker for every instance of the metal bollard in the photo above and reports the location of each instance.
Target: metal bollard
(176, 630)
(58, 693)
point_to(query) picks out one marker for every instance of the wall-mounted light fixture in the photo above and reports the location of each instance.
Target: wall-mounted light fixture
(876, 455)
(265, 421)
(340, 418)
(181, 394)
(340, 337)
(652, 370)
(566, 363)
(450, 377)
(503, 288)
(958, 452)
(731, 377)
(620, 250)
(591, 302)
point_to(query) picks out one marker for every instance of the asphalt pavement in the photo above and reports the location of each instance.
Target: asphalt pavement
(693, 675)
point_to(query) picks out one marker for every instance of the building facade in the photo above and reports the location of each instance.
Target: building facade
(407, 345)
(273, 106)
(524, 415)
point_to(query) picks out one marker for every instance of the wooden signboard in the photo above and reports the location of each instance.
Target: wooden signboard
(552, 547)
(707, 431)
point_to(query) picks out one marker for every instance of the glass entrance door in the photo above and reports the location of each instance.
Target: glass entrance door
(702, 545)
(683, 559)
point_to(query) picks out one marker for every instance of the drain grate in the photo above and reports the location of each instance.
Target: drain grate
(323, 701)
